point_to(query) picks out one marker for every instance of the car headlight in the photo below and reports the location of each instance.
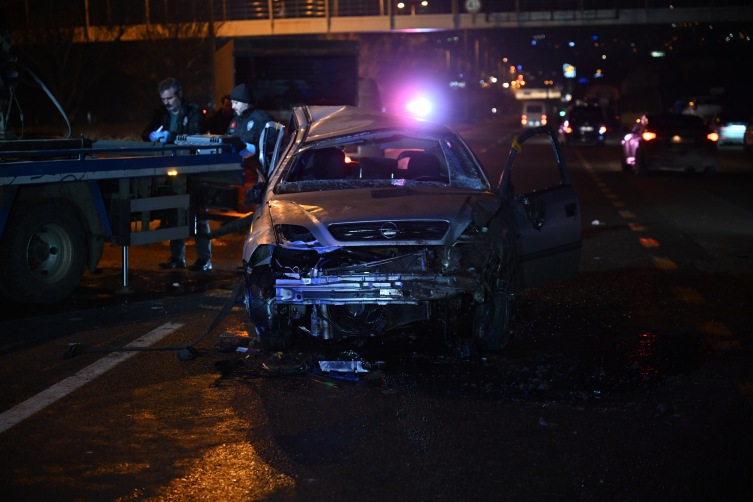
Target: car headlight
(295, 234)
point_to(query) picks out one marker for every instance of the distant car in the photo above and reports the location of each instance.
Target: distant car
(748, 141)
(371, 223)
(534, 114)
(584, 125)
(731, 129)
(706, 107)
(670, 141)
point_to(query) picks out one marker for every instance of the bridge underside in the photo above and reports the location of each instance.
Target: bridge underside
(424, 22)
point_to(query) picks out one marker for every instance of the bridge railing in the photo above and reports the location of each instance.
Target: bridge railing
(21, 15)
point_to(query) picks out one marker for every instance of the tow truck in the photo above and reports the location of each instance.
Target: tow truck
(63, 199)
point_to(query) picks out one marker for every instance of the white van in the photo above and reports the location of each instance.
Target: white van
(534, 114)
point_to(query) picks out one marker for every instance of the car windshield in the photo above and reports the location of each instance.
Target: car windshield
(586, 114)
(381, 159)
(675, 122)
(534, 108)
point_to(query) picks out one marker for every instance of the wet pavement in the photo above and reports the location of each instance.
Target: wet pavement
(631, 381)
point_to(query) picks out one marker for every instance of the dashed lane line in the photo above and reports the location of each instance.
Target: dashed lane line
(637, 227)
(626, 214)
(719, 336)
(617, 203)
(664, 263)
(687, 295)
(649, 243)
(61, 389)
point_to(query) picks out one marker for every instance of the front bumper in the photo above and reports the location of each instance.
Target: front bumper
(375, 289)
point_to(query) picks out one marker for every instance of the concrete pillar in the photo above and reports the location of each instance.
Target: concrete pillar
(224, 71)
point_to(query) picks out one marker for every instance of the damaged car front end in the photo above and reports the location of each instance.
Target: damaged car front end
(371, 223)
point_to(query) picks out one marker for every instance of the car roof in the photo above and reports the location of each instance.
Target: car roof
(334, 121)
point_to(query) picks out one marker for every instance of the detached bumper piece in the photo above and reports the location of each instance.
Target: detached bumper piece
(383, 289)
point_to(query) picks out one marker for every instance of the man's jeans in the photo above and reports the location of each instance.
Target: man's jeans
(203, 244)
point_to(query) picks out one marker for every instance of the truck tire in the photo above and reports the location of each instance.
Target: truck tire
(43, 252)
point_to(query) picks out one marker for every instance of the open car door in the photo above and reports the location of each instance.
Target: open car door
(546, 220)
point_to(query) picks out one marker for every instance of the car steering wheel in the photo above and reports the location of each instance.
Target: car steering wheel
(428, 178)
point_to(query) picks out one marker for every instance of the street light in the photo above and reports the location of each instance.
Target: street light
(400, 5)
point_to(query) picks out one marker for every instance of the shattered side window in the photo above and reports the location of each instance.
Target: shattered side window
(381, 159)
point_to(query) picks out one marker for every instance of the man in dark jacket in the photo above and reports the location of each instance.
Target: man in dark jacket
(176, 117)
(220, 120)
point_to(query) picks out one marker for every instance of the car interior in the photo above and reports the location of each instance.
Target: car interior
(333, 163)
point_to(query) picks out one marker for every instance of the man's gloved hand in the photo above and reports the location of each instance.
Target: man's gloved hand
(154, 135)
(165, 137)
(249, 151)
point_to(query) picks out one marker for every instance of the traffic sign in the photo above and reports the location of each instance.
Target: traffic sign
(472, 6)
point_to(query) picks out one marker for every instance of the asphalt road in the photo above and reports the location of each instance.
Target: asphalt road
(631, 381)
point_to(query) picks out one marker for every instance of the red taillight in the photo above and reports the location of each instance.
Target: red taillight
(713, 136)
(543, 117)
(543, 121)
(648, 136)
(348, 160)
(569, 130)
(524, 119)
(602, 130)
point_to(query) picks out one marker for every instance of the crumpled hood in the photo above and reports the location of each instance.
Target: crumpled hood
(317, 210)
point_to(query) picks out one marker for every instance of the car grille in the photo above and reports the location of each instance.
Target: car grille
(389, 230)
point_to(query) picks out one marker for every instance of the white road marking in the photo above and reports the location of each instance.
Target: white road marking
(61, 389)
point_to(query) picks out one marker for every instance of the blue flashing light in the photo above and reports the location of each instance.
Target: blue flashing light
(520, 67)
(571, 44)
(583, 80)
(533, 42)
(594, 37)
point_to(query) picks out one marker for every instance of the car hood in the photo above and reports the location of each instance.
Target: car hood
(317, 210)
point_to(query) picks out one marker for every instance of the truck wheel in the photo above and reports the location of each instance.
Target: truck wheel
(493, 318)
(43, 252)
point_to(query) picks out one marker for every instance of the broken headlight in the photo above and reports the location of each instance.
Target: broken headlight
(294, 234)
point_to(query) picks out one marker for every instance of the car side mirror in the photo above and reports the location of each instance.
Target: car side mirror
(254, 194)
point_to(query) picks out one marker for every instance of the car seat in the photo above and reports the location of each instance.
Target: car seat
(377, 168)
(421, 164)
(329, 164)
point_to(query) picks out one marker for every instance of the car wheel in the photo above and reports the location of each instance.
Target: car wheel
(640, 165)
(493, 318)
(710, 171)
(43, 252)
(747, 148)
(272, 332)
(625, 166)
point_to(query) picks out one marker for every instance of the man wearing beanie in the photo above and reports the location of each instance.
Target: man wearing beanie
(249, 121)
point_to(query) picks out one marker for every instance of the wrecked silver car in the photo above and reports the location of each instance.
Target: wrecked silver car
(370, 223)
